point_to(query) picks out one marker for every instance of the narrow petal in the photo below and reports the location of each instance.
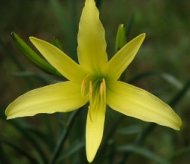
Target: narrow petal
(63, 63)
(138, 103)
(60, 97)
(94, 129)
(91, 39)
(124, 57)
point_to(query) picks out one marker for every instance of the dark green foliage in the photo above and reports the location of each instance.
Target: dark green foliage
(162, 67)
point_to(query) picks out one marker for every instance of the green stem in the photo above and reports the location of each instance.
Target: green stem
(180, 94)
(64, 136)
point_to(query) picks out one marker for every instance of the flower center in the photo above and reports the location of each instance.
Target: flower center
(95, 89)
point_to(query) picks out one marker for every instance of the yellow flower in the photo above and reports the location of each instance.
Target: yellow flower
(95, 81)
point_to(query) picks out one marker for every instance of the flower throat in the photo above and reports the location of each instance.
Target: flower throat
(95, 89)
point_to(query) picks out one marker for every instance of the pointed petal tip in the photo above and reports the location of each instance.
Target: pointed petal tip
(9, 118)
(179, 125)
(175, 126)
(90, 159)
(7, 113)
(143, 35)
(90, 156)
(33, 39)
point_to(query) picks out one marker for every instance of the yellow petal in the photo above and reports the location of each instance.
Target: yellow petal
(60, 97)
(124, 57)
(138, 103)
(94, 129)
(91, 39)
(63, 63)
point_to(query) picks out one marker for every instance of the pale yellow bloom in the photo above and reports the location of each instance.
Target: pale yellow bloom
(95, 81)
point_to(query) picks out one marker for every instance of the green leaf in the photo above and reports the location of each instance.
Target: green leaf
(74, 148)
(67, 26)
(20, 126)
(63, 137)
(20, 151)
(143, 152)
(182, 152)
(33, 56)
(170, 79)
(133, 129)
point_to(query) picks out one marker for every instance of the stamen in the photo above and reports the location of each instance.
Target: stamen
(102, 88)
(84, 88)
(90, 91)
(90, 111)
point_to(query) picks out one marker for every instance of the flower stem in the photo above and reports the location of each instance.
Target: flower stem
(64, 136)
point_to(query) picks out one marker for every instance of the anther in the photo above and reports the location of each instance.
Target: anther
(84, 88)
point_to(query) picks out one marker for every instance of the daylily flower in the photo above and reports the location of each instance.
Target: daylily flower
(95, 80)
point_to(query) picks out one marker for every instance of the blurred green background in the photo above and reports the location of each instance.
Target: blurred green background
(164, 57)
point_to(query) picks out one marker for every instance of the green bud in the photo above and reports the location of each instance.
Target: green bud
(120, 37)
(30, 54)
